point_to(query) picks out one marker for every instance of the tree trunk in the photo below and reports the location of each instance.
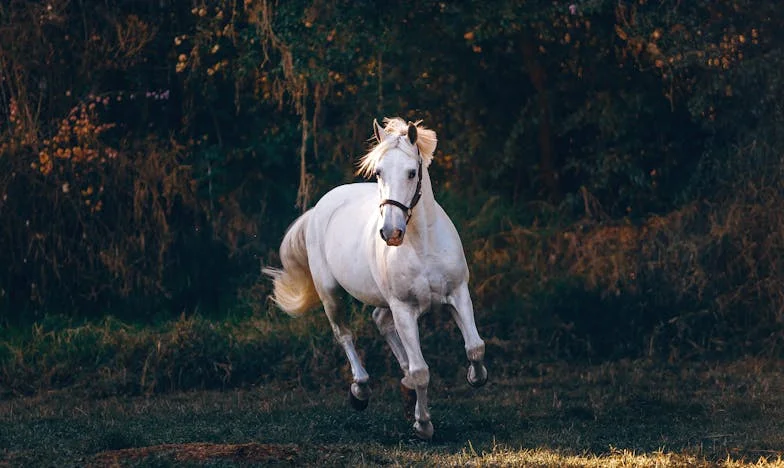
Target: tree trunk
(547, 156)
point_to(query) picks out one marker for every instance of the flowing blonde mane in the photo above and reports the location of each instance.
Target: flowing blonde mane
(426, 142)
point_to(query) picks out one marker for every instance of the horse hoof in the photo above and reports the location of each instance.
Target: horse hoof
(475, 380)
(359, 395)
(356, 403)
(423, 430)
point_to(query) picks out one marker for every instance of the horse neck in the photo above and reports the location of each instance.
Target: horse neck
(424, 214)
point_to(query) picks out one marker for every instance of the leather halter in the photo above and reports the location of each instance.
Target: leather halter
(414, 201)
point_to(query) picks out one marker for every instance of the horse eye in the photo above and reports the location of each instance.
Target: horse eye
(377, 173)
(411, 174)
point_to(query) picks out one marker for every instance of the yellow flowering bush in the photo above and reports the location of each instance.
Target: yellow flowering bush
(76, 150)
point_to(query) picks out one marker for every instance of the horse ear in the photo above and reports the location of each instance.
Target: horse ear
(412, 133)
(378, 131)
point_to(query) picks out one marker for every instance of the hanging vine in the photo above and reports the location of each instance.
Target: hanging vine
(293, 87)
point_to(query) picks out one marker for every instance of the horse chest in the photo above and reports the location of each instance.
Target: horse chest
(439, 287)
(444, 274)
(425, 280)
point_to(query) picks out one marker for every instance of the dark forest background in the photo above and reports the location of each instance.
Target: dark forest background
(614, 167)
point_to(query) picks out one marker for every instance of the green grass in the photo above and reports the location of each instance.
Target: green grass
(626, 413)
(110, 357)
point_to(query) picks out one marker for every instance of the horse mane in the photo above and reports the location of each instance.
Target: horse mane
(426, 143)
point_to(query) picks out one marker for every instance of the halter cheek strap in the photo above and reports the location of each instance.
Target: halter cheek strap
(414, 201)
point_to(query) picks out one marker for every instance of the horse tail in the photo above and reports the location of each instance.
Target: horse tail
(294, 291)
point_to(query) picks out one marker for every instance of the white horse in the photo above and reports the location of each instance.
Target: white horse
(352, 241)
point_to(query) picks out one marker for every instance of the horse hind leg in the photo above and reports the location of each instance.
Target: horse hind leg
(386, 326)
(463, 313)
(359, 392)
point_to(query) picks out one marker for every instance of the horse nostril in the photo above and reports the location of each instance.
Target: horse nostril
(381, 231)
(397, 234)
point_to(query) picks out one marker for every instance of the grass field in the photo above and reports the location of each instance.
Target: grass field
(627, 413)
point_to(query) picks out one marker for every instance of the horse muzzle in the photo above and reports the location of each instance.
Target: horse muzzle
(393, 237)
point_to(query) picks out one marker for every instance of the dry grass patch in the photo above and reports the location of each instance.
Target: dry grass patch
(199, 452)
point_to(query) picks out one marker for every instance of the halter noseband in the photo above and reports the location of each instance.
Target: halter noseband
(414, 201)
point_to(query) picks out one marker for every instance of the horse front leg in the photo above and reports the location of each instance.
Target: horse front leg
(386, 326)
(463, 313)
(405, 320)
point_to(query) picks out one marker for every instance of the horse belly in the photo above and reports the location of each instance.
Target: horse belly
(347, 255)
(355, 278)
(365, 296)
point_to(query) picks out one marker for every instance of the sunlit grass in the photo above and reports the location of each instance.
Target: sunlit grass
(205, 453)
(544, 457)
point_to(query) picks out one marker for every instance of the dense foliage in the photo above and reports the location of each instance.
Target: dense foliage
(613, 166)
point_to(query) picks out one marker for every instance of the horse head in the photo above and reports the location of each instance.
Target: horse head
(398, 160)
